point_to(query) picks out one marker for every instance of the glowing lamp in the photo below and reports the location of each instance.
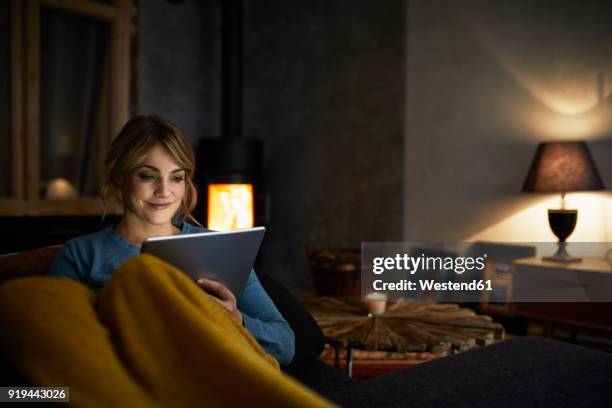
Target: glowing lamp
(562, 167)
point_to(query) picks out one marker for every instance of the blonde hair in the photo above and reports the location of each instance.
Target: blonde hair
(130, 149)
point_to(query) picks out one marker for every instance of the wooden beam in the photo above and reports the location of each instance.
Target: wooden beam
(26, 132)
(103, 133)
(120, 70)
(90, 8)
(10, 206)
(32, 103)
(17, 100)
(76, 206)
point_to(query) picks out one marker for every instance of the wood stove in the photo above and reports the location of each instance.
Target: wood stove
(229, 167)
(230, 183)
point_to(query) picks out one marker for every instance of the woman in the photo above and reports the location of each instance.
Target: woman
(148, 170)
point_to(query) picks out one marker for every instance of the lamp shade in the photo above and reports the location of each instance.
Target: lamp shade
(560, 167)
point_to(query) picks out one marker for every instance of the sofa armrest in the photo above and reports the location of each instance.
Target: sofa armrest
(28, 263)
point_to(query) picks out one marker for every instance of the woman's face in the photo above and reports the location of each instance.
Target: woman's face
(154, 191)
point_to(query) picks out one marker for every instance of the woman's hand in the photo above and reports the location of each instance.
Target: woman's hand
(222, 295)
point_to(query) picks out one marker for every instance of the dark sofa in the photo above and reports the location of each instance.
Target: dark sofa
(525, 372)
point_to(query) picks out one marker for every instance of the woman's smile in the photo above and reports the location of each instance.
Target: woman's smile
(160, 206)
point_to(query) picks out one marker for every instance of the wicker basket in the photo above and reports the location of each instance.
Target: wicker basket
(336, 272)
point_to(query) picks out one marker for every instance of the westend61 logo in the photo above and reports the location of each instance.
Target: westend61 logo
(412, 264)
(500, 272)
(443, 272)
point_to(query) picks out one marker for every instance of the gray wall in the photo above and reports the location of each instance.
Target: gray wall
(387, 120)
(324, 90)
(485, 82)
(179, 64)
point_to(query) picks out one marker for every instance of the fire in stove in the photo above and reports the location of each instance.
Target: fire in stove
(231, 190)
(230, 206)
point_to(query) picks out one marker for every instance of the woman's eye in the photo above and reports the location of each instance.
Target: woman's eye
(177, 179)
(146, 177)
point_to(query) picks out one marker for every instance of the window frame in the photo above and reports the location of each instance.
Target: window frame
(26, 108)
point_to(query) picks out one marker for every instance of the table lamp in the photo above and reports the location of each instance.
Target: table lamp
(562, 167)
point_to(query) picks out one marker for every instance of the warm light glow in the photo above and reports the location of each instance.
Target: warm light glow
(558, 126)
(230, 206)
(568, 93)
(60, 189)
(564, 85)
(531, 224)
(571, 105)
(565, 89)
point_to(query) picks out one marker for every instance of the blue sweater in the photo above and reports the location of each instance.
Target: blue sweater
(92, 259)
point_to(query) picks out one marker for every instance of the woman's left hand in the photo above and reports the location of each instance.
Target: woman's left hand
(222, 295)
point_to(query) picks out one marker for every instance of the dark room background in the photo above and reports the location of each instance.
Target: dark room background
(393, 120)
(323, 89)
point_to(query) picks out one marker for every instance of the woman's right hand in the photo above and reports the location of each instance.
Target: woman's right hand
(222, 295)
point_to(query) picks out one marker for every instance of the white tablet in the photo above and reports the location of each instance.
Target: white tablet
(226, 256)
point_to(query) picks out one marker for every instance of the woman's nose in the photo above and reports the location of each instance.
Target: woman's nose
(162, 188)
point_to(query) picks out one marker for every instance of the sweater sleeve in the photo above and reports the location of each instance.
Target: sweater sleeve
(65, 264)
(263, 320)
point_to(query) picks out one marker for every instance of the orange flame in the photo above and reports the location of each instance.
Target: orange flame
(230, 206)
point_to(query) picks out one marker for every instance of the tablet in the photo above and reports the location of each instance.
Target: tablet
(225, 256)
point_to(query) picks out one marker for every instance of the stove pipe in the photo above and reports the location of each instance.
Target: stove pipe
(230, 159)
(231, 60)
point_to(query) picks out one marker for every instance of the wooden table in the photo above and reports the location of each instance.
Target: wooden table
(406, 326)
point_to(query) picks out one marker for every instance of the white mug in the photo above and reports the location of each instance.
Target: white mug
(377, 303)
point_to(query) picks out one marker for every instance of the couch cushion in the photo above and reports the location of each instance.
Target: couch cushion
(323, 378)
(27, 263)
(524, 372)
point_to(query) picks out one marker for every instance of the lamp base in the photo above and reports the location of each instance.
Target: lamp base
(561, 255)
